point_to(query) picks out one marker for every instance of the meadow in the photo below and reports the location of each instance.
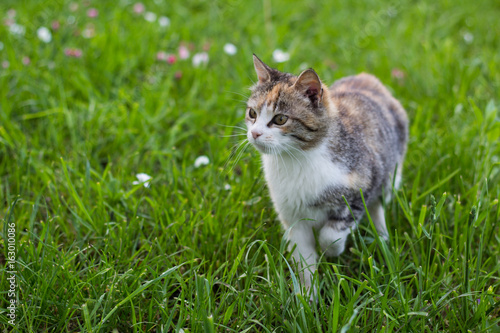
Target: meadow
(95, 95)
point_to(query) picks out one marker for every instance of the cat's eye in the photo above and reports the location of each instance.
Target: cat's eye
(280, 119)
(252, 114)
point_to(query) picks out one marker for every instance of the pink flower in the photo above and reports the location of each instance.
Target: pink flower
(8, 22)
(206, 46)
(162, 56)
(11, 13)
(5, 64)
(332, 64)
(171, 59)
(74, 53)
(55, 25)
(92, 12)
(178, 75)
(183, 52)
(26, 61)
(398, 74)
(139, 8)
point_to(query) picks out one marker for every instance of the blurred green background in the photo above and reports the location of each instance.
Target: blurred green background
(94, 93)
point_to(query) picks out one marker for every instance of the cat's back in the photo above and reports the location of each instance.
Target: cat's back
(366, 106)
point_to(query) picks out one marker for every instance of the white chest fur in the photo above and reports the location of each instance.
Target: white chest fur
(296, 180)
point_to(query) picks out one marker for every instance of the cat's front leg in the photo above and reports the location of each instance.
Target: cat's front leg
(301, 240)
(332, 237)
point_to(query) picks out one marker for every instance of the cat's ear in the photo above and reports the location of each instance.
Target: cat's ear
(263, 70)
(309, 84)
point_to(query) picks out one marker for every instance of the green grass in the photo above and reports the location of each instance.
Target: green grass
(96, 253)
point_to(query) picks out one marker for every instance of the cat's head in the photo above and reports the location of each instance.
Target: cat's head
(286, 112)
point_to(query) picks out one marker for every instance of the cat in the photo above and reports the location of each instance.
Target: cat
(319, 147)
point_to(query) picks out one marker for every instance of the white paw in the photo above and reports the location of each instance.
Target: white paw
(384, 236)
(332, 242)
(334, 249)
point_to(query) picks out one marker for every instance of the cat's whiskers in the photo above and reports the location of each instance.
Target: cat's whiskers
(232, 152)
(244, 101)
(308, 160)
(292, 155)
(233, 135)
(239, 100)
(275, 156)
(233, 126)
(242, 150)
(237, 132)
(284, 164)
(238, 93)
(235, 152)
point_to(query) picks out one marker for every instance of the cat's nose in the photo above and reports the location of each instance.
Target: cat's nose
(256, 134)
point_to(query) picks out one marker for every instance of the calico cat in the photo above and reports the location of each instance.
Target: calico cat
(319, 147)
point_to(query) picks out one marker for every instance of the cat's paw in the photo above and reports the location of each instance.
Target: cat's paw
(332, 242)
(383, 236)
(334, 249)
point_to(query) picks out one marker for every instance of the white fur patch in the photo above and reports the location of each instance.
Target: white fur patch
(296, 178)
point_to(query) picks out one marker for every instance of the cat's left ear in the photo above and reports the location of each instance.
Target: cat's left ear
(309, 84)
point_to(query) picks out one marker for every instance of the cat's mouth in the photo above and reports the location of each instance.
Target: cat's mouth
(263, 148)
(260, 147)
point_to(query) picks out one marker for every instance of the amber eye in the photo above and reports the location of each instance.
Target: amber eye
(252, 114)
(280, 119)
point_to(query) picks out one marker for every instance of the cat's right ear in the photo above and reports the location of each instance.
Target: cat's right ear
(263, 71)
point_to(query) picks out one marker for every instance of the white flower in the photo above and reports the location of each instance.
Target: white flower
(227, 187)
(142, 178)
(164, 21)
(150, 17)
(303, 66)
(44, 34)
(17, 29)
(230, 49)
(71, 19)
(280, 56)
(201, 161)
(200, 58)
(468, 37)
(73, 6)
(1, 46)
(88, 32)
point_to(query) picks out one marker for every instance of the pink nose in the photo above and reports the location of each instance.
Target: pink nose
(256, 134)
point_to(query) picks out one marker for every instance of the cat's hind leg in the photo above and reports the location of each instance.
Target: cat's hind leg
(376, 211)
